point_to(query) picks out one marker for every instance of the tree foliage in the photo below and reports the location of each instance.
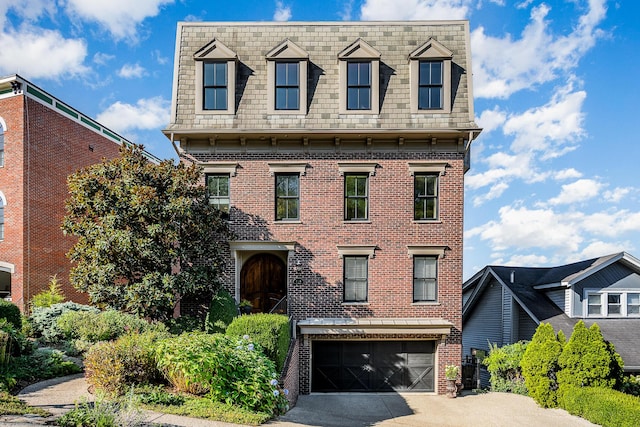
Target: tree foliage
(146, 234)
(503, 364)
(540, 365)
(588, 360)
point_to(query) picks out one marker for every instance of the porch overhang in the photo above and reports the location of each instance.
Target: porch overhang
(374, 326)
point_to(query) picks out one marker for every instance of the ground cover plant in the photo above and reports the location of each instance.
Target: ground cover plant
(11, 405)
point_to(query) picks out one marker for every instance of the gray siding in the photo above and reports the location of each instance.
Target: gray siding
(483, 326)
(558, 297)
(615, 276)
(526, 325)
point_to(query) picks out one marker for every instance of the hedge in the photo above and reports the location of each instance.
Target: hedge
(602, 406)
(222, 311)
(11, 312)
(270, 331)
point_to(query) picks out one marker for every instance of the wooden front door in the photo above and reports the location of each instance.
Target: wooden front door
(263, 281)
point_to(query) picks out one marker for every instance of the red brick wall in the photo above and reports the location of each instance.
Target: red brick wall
(51, 147)
(390, 227)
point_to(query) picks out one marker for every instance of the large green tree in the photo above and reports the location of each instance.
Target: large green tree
(146, 234)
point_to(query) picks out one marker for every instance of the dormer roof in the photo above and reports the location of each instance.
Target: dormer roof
(287, 50)
(359, 49)
(431, 49)
(215, 49)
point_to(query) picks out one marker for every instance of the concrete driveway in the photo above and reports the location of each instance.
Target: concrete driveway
(403, 410)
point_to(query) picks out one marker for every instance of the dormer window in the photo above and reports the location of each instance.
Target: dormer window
(359, 69)
(611, 303)
(215, 79)
(430, 70)
(287, 66)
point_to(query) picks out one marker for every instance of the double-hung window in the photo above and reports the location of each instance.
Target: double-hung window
(430, 78)
(288, 197)
(633, 304)
(218, 191)
(359, 85)
(425, 191)
(430, 85)
(356, 196)
(425, 279)
(287, 86)
(215, 86)
(355, 278)
(610, 303)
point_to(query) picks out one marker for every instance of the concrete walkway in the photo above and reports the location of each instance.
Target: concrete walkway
(333, 410)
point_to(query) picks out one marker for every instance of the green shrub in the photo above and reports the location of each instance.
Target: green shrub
(92, 326)
(601, 405)
(51, 296)
(228, 370)
(16, 343)
(183, 324)
(270, 331)
(114, 366)
(103, 413)
(42, 364)
(11, 312)
(539, 366)
(44, 320)
(503, 364)
(222, 311)
(631, 385)
(588, 360)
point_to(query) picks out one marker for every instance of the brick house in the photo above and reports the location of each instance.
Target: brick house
(42, 141)
(339, 152)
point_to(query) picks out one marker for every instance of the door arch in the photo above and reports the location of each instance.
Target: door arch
(263, 281)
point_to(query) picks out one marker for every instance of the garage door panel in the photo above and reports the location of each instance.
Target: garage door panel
(373, 365)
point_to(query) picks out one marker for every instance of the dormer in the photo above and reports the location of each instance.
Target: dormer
(215, 79)
(359, 71)
(430, 71)
(287, 68)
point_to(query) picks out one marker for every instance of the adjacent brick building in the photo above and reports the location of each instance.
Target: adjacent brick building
(42, 141)
(339, 152)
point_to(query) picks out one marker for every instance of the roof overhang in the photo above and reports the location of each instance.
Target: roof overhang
(374, 326)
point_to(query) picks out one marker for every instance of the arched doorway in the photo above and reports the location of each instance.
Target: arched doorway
(263, 281)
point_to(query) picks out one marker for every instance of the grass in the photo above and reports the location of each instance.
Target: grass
(199, 407)
(11, 405)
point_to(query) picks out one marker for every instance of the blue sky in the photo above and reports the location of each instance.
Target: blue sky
(554, 175)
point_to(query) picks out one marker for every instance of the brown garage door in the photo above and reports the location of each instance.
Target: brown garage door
(372, 366)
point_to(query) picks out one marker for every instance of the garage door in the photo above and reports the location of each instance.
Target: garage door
(372, 366)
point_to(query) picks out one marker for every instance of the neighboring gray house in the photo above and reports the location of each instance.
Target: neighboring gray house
(503, 305)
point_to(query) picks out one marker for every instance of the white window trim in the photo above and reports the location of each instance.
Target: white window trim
(432, 50)
(368, 167)
(428, 167)
(294, 167)
(359, 51)
(604, 303)
(287, 51)
(219, 168)
(424, 250)
(357, 250)
(215, 51)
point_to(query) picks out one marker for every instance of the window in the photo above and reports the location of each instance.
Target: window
(288, 197)
(425, 278)
(425, 190)
(355, 278)
(633, 304)
(612, 304)
(287, 66)
(359, 85)
(218, 191)
(287, 86)
(215, 86)
(359, 75)
(430, 85)
(215, 79)
(430, 78)
(356, 197)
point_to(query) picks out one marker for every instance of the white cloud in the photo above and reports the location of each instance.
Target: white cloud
(617, 194)
(160, 59)
(598, 248)
(102, 58)
(570, 173)
(282, 13)
(345, 13)
(578, 191)
(151, 113)
(119, 17)
(39, 53)
(29, 10)
(494, 192)
(373, 10)
(503, 65)
(527, 260)
(131, 71)
(491, 119)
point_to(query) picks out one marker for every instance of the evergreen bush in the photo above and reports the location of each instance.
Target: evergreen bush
(51, 296)
(588, 360)
(602, 406)
(222, 311)
(503, 364)
(270, 331)
(11, 312)
(540, 366)
(90, 326)
(44, 320)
